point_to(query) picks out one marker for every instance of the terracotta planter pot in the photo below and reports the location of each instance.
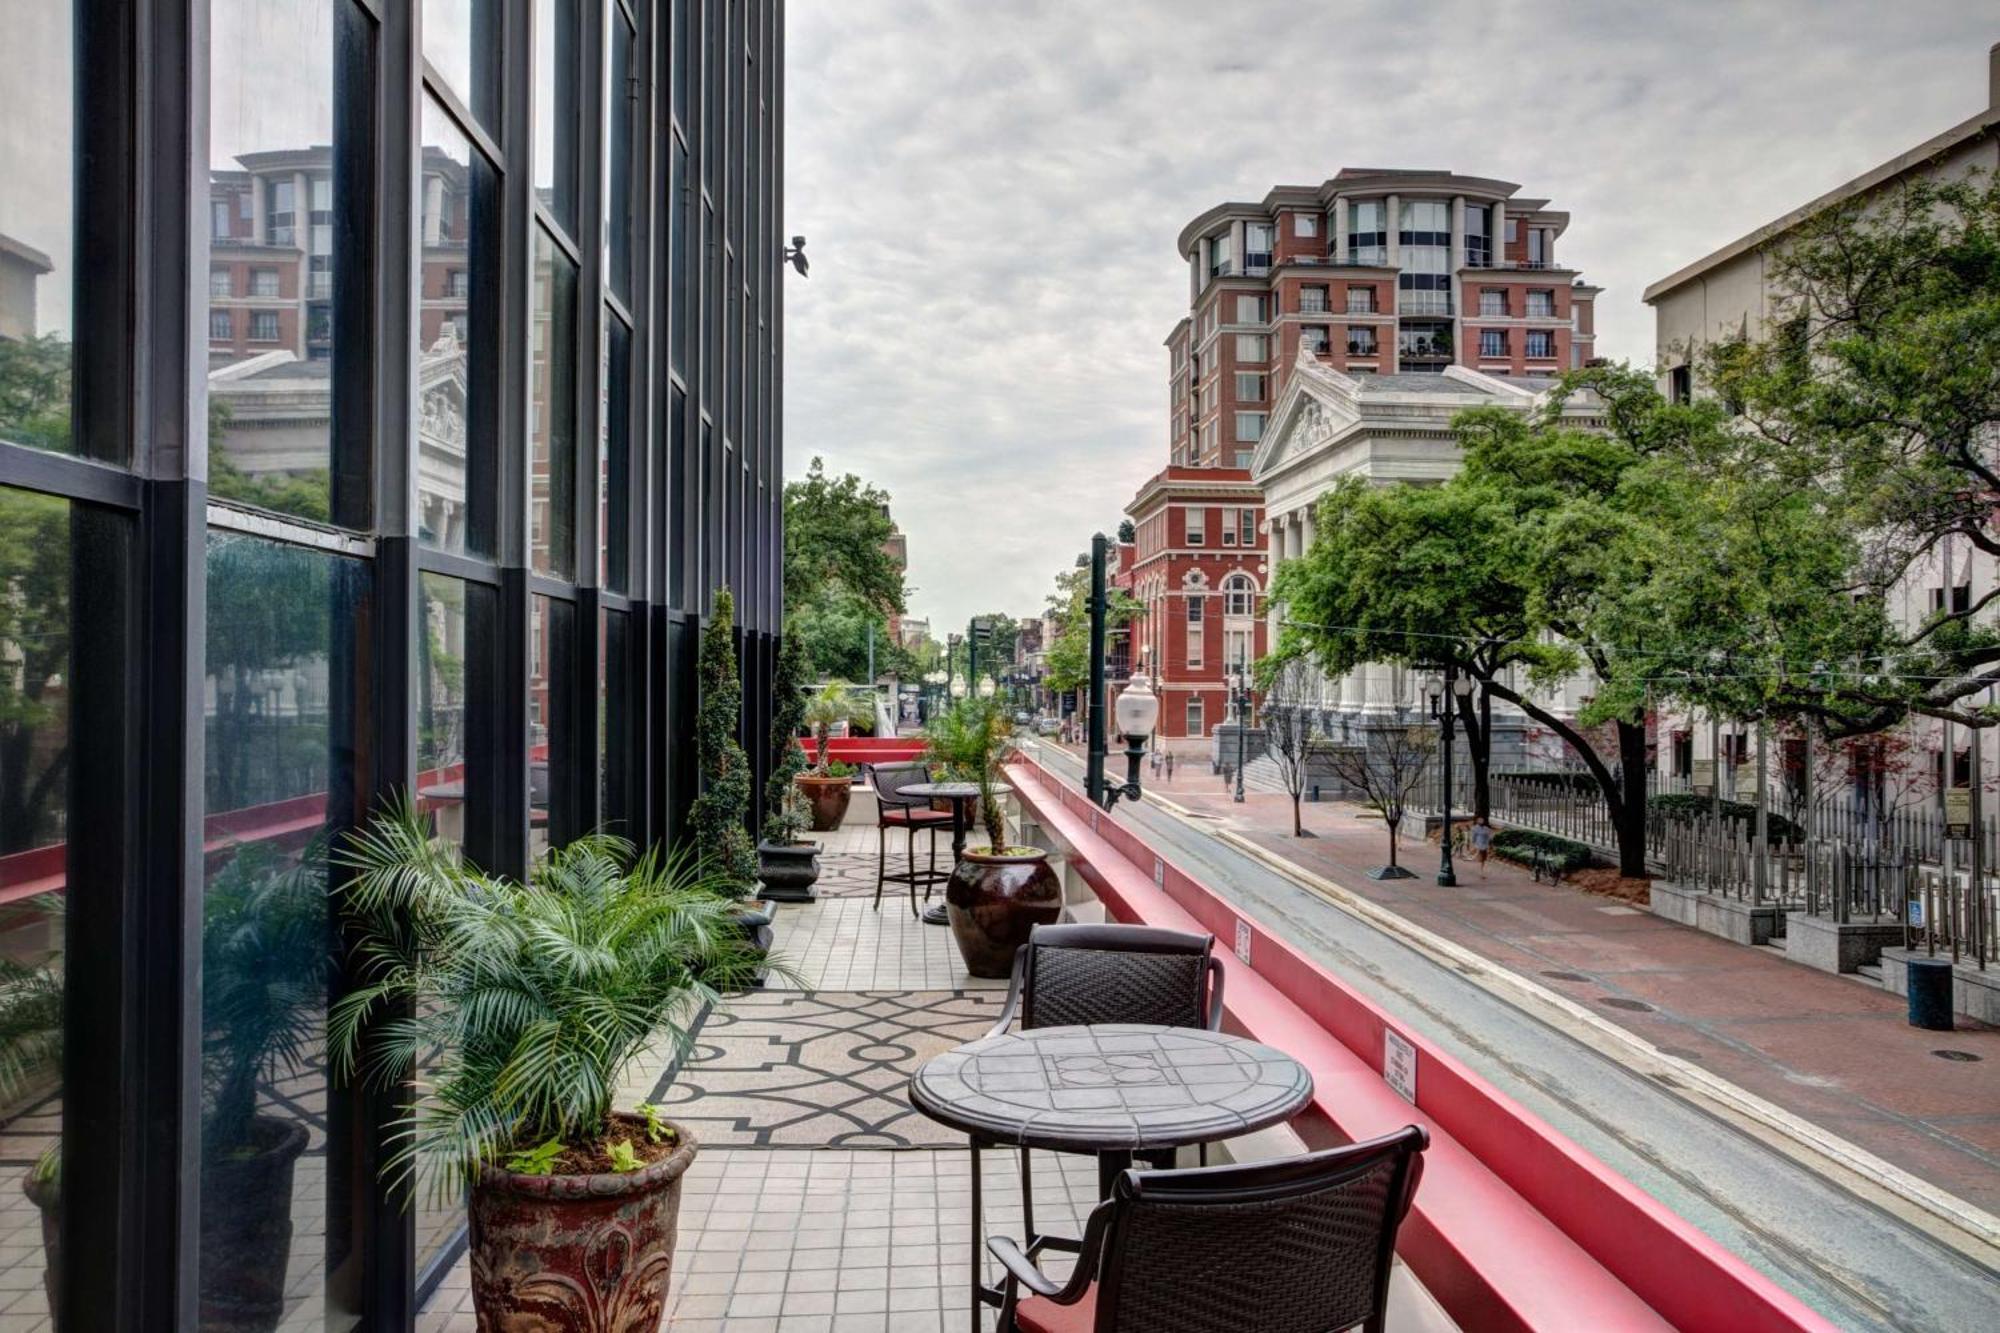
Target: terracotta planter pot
(246, 1231)
(788, 870)
(994, 901)
(578, 1254)
(828, 798)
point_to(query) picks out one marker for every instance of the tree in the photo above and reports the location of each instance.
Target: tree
(1067, 660)
(1878, 381)
(35, 572)
(1291, 728)
(788, 719)
(1127, 533)
(837, 531)
(721, 812)
(1386, 767)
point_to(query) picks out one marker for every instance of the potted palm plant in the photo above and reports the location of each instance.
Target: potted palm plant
(1000, 892)
(787, 861)
(526, 1002)
(826, 792)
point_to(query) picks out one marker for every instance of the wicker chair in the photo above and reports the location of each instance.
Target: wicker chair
(912, 814)
(1295, 1245)
(1067, 976)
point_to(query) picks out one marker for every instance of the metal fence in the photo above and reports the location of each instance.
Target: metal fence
(1888, 866)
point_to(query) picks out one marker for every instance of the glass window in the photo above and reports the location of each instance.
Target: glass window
(263, 282)
(1541, 343)
(219, 282)
(1239, 596)
(1251, 347)
(1542, 303)
(556, 121)
(623, 95)
(1360, 300)
(221, 327)
(1492, 301)
(462, 42)
(36, 554)
(1425, 342)
(1218, 254)
(1312, 299)
(1315, 336)
(263, 329)
(1425, 222)
(1249, 388)
(614, 720)
(616, 457)
(1246, 526)
(552, 413)
(1194, 605)
(1361, 340)
(551, 722)
(1197, 524)
(680, 216)
(1368, 232)
(457, 348)
(1493, 342)
(1478, 242)
(37, 224)
(1305, 224)
(218, 219)
(1249, 310)
(280, 782)
(1257, 241)
(1194, 723)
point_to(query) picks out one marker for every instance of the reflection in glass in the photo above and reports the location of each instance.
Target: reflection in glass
(270, 281)
(37, 157)
(35, 583)
(462, 42)
(555, 110)
(615, 459)
(614, 721)
(552, 412)
(280, 784)
(623, 96)
(551, 723)
(456, 349)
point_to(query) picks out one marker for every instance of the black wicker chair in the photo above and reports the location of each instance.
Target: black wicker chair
(1067, 976)
(912, 814)
(1295, 1245)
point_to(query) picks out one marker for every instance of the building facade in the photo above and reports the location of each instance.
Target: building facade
(1376, 271)
(388, 389)
(1197, 569)
(1729, 294)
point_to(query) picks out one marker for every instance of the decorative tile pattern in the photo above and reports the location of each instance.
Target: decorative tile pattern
(813, 1069)
(1113, 1086)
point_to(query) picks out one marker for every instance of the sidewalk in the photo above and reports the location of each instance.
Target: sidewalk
(1833, 1050)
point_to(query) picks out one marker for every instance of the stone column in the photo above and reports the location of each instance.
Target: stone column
(1457, 261)
(1236, 263)
(1497, 224)
(1338, 234)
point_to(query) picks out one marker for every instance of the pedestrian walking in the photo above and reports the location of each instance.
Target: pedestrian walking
(1170, 765)
(1482, 842)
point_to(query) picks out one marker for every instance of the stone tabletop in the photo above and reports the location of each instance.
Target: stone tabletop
(949, 791)
(1110, 1087)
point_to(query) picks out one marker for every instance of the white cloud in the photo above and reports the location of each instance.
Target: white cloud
(992, 192)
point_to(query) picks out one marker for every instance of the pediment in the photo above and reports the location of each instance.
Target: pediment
(1318, 404)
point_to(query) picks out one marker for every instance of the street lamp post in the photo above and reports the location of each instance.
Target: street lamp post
(1239, 701)
(1138, 714)
(1093, 772)
(1445, 705)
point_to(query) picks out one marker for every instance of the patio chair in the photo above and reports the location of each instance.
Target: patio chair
(1293, 1245)
(1067, 976)
(912, 814)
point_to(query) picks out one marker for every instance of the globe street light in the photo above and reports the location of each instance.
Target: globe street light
(957, 688)
(986, 688)
(1138, 712)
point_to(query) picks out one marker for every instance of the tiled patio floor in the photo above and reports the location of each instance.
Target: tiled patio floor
(793, 1237)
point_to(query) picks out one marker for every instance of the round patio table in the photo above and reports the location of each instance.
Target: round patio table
(1112, 1089)
(961, 795)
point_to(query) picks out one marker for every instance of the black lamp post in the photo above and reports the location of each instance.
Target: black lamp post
(1093, 772)
(1444, 706)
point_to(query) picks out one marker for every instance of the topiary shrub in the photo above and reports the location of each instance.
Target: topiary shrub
(1688, 808)
(1524, 845)
(720, 815)
(788, 758)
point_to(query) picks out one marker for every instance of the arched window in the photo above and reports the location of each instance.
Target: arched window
(1239, 596)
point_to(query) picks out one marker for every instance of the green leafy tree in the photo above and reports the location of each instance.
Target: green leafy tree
(721, 813)
(788, 719)
(837, 531)
(34, 662)
(35, 391)
(1876, 381)
(1067, 660)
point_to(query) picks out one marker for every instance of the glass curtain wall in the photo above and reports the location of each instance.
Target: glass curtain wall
(487, 409)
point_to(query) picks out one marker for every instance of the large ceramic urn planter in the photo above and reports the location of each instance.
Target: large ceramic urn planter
(827, 797)
(994, 899)
(246, 1231)
(788, 870)
(578, 1254)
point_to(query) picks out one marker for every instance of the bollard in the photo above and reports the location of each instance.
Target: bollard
(1930, 994)
(1315, 796)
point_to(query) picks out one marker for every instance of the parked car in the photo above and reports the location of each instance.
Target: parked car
(1022, 717)
(1047, 726)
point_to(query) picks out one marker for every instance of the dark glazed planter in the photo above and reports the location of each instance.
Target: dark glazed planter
(994, 901)
(828, 798)
(577, 1254)
(788, 870)
(246, 1231)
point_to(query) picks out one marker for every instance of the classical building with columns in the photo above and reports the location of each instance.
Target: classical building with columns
(1396, 428)
(1377, 271)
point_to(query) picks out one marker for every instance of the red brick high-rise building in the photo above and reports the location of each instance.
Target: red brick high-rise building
(1379, 272)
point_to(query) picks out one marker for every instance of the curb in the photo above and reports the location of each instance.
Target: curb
(1952, 1220)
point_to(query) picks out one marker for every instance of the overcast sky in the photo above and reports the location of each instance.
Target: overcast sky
(991, 192)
